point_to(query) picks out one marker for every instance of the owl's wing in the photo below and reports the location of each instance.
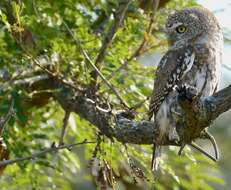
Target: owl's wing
(171, 69)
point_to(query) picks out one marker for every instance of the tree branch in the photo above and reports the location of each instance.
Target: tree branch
(198, 114)
(88, 59)
(118, 20)
(43, 152)
(138, 51)
(6, 118)
(64, 127)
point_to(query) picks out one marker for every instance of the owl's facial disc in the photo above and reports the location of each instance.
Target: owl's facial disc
(183, 26)
(175, 31)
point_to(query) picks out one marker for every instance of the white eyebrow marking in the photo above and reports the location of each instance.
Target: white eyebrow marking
(194, 15)
(175, 25)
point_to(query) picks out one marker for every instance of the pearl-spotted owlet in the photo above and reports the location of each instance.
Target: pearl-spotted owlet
(193, 59)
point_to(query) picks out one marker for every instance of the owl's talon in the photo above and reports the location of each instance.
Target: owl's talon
(187, 92)
(176, 113)
(173, 135)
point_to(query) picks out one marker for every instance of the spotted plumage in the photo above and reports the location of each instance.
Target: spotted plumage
(194, 59)
(170, 74)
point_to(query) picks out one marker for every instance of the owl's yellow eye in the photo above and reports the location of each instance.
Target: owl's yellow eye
(181, 29)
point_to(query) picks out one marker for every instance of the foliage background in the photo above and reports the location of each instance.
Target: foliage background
(37, 122)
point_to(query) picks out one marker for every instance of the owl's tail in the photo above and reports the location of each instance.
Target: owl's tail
(156, 154)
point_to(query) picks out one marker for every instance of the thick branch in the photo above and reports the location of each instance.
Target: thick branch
(115, 125)
(219, 103)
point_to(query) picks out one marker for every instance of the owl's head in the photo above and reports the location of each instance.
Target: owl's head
(190, 23)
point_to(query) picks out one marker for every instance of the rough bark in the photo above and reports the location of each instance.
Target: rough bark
(198, 113)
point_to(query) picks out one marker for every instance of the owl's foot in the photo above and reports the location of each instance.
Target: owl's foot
(176, 113)
(187, 92)
(173, 135)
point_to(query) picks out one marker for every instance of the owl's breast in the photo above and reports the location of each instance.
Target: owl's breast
(205, 73)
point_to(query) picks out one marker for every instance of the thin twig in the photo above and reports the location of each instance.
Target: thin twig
(43, 152)
(6, 118)
(64, 126)
(118, 20)
(194, 145)
(208, 136)
(88, 59)
(154, 46)
(139, 49)
(150, 27)
(58, 76)
(139, 104)
(52, 74)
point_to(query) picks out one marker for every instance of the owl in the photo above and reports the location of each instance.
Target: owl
(193, 59)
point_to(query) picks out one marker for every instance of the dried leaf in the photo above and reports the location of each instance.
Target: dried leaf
(4, 155)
